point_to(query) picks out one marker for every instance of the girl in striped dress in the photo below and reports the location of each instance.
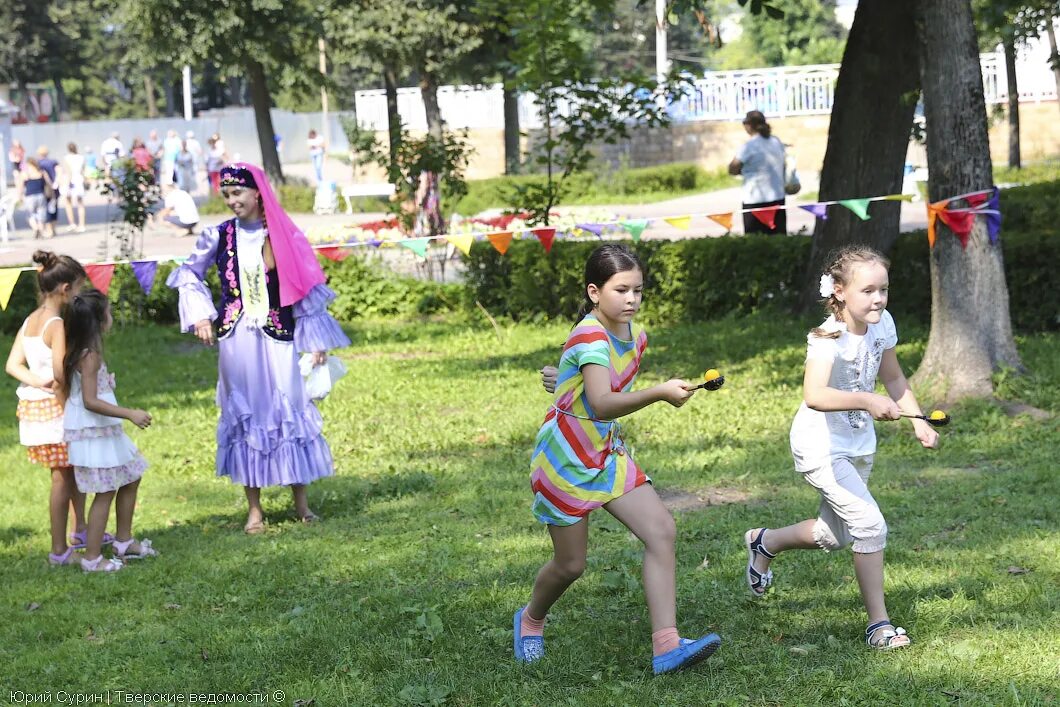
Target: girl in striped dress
(580, 462)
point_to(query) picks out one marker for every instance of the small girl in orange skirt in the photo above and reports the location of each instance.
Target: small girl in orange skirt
(37, 353)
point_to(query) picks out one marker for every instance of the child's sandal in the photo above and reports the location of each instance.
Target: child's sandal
(884, 636)
(77, 540)
(121, 549)
(101, 564)
(757, 582)
(65, 558)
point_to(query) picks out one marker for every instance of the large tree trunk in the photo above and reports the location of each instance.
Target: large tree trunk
(171, 95)
(429, 92)
(868, 135)
(512, 153)
(1013, 103)
(971, 333)
(259, 98)
(1054, 56)
(393, 116)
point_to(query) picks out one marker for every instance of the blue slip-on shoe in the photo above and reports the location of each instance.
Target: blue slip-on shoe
(527, 649)
(687, 654)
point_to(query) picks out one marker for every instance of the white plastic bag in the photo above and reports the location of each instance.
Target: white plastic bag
(319, 380)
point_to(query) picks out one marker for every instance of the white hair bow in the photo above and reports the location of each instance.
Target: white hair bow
(827, 285)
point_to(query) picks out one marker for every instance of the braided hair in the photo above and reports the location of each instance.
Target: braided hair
(841, 270)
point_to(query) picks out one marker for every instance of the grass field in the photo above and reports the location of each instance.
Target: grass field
(404, 593)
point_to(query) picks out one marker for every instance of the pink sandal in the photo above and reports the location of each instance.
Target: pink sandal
(66, 558)
(101, 565)
(121, 549)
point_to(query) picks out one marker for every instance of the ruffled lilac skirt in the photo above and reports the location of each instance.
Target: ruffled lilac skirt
(270, 432)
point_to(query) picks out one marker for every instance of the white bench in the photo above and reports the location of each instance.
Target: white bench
(350, 191)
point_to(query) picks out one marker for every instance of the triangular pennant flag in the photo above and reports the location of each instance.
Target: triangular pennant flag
(100, 276)
(462, 242)
(334, 252)
(818, 210)
(501, 241)
(635, 227)
(723, 220)
(975, 200)
(594, 228)
(858, 206)
(375, 242)
(960, 222)
(682, 222)
(545, 235)
(8, 278)
(416, 245)
(145, 270)
(993, 220)
(767, 216)
(933, 213)
(899, 197)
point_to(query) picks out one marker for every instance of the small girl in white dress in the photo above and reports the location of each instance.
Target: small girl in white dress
(105, 460)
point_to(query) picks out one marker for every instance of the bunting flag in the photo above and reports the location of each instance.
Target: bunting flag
(462, 242)
(545, 235)
(334, 252)
(933, 214)
(724, 220)
(993, 216)
(682, 222)
(635, 227)
(858, 206)
(100, 276)
(375, 242)
(416, 245)
(145, 270)
(594, 228)
(818, 210)
(960, 221)
(8, 278)
(899, 197)
(501, 241)
(767, 216)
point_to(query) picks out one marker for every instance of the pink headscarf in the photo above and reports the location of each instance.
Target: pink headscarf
(296, 262)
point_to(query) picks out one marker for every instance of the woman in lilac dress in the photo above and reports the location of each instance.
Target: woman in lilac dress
(273, 306)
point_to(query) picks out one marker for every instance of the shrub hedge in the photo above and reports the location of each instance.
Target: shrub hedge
(708, 278)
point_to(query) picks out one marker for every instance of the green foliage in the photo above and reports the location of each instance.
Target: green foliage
(446, 158)
(601, 186)
(367, 289)
(137, 194)
(808, 34)
(705, 279)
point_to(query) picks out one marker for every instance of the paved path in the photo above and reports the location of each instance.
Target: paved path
(98, 242)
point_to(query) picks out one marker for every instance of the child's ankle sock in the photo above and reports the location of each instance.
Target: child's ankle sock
(664, 641)
(530, 626)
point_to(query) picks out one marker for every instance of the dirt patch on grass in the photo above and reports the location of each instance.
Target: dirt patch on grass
(677, 499)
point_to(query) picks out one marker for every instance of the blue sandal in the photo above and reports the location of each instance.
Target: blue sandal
(687, 654)
(529, 648)
(758, 582)
(885, 636)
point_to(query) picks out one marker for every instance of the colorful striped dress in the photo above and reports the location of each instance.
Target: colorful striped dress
(580, 462)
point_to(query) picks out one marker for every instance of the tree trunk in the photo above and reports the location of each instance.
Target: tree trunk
(259, 98)
(512, 152)
(149, 94)
(868, 135)
(171, 96)
(1009, 44)
(1054, 56)
(429, 92)
(393, 116)
(62, 105)
(971, 333)
(235, 91)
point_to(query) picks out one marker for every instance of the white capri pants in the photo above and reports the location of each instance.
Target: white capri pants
(848, 514)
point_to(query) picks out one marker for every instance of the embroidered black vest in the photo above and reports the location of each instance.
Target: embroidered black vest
(280, 325)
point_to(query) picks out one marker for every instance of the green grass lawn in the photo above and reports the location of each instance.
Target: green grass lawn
(404, 594)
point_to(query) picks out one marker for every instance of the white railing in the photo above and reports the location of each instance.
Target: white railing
(719, 95)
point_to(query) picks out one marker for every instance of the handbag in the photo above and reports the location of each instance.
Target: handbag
(792, 185)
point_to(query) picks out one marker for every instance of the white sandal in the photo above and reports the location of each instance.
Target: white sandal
(121, 549)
